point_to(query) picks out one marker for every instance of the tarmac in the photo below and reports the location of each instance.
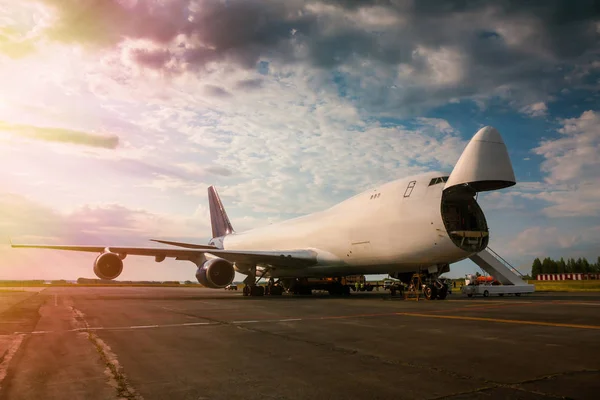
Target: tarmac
(194, 343)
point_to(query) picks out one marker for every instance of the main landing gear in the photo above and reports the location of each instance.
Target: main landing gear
(251, 288)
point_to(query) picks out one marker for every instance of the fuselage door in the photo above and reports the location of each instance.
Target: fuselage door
(409, 188)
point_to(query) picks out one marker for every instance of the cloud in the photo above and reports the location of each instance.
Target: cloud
(285, 149)
(570, 163)
(216, 170)
(561, 242)
(216, 91)
(92, 223)
(155, 59)
(21, 27)
(60, 135)
(536, 109)
(578, 199)
(500, 200)
(576, 154)
(413, 55)
(249, 84)
(28, 221)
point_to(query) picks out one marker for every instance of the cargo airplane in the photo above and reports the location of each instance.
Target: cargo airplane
(417, 224)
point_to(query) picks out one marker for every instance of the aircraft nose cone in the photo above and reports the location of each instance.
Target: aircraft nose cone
(488, 134)
(484, 164)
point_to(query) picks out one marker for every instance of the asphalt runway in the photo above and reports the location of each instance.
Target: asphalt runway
(188, 343)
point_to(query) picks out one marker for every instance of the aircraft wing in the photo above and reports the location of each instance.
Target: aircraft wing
(284, 258)
(186, 245)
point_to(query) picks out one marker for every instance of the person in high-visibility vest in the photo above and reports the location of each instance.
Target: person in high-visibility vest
(357, 285)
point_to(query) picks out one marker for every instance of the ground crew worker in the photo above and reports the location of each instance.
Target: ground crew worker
(357, 285)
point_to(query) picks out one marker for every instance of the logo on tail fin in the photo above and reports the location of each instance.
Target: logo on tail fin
(218, 217)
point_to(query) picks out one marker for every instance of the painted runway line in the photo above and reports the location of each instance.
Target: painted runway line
(578, 303)
(504, 321)
(319, 318)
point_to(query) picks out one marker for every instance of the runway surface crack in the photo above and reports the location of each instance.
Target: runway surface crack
(114, 370)
(8, 355)
(517, 385)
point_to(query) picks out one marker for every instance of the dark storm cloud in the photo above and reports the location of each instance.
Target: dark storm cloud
(528, 45)
(61, 135)
(245, 30)
(236, 30)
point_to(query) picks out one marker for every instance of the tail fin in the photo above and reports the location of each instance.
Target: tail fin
(218, 217)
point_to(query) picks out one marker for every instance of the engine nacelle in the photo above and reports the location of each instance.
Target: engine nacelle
(108, 266)
(215, 273)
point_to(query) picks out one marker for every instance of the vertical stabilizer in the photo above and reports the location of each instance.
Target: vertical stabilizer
(218, 217)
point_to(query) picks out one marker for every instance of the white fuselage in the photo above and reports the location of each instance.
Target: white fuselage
(392, 228)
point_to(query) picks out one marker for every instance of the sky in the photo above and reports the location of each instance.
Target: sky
(115, 117)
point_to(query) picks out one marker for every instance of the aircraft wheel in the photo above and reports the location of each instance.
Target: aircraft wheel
(442, 294)
(486, 293)
(257, 291)
(246, 291)
(276, 291)
(470, 295)
(369, 288)
(517, 294)
(428, 292)
(346, 290)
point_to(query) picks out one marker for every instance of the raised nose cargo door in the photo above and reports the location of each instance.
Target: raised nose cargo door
(484, 164)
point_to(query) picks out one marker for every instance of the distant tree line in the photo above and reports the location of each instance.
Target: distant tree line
(21, 283)
(550, 266)
(89, 281)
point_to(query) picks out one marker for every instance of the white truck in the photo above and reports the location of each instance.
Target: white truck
(475, 286)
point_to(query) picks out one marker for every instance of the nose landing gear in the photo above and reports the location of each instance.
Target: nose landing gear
(431, 287)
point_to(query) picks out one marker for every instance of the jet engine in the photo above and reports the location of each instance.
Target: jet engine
(215, 273)
(108, 266)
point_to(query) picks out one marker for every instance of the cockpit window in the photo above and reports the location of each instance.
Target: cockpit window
(441, 179)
